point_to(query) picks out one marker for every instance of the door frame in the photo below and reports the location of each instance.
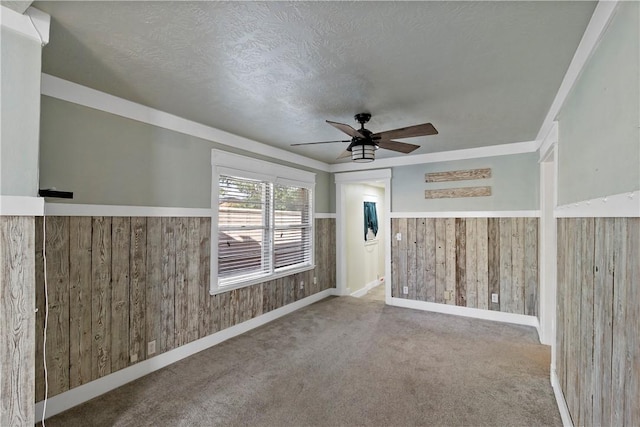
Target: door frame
(341, 180)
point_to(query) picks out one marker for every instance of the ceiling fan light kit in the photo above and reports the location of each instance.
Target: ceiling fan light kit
(363, 153)
(364, 143)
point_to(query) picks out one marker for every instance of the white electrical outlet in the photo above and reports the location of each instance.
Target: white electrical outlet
(134, 358)
(399, 236)
(315, 280)
(494, 297)
(302, 284)
(151, 347)
(405, 290)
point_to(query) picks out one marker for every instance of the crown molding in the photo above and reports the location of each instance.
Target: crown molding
(33, 24)
(72, 92)
(443, 156)
(596, 28)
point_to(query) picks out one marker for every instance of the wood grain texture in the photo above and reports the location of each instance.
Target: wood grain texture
(482, 264)
(450, 259)
(206, 325)
(620, 330)
(631, 414)
(79, 301)
(531, 266)
(181, 290)
(421, 260)
(461, 262)
(430, 260)
(411, 245)
(506, 268)
(153, 291)
(597, 321)
(17, 320)
(586, 320)
(517, 265)
(474, 257)
(459, 175)
(450, 193)
(493, 261)
(120, 283)
(168, 286)
(120, 255)
(471, 260)
(137, 289)
(40, 307)
(57, 252)
(101, 297)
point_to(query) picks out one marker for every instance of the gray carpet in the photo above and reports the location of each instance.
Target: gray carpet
(345, 361)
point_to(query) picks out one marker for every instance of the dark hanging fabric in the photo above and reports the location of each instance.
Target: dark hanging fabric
(370, 219)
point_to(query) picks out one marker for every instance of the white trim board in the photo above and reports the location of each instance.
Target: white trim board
(85, 392)
(562, 403)
(33, 24)
(362, 292)
(468, 214)
(443, 156)
(617, 205)
(595, 30)
(70, 209)
(476, 313)
(82, 95)
(21, 205)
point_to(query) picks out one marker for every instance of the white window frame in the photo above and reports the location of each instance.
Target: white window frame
(224, 163)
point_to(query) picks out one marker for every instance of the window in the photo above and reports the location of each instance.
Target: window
(262, 224)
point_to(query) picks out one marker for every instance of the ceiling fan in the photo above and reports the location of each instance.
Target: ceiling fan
(364, 143)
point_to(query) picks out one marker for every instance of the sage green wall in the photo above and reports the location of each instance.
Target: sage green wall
(20, 110)
(514, 182)
(111, 160)
(599, 134)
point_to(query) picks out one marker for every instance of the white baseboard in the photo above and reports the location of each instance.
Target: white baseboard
(562, 404)
(497, 316)
(85, 392)
(362, 292)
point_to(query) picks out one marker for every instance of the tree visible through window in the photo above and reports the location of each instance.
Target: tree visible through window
(263, 228)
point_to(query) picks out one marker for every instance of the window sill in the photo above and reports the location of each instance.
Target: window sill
(261, 279)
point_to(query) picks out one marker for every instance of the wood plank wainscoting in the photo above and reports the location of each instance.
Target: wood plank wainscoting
(462, 261)
(117, 283)
(16, 320)
(598, 320)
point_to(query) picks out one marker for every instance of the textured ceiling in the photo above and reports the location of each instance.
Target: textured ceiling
(483, 73)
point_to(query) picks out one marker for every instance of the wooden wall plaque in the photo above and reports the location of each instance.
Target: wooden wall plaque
(461, 175)
(449, 193)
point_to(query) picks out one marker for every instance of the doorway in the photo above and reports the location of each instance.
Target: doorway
(363, 255)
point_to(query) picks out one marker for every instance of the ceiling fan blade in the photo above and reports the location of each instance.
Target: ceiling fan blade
(320, 142)
(346, 129)
(408, 132)
(344, 155)
(401, 147)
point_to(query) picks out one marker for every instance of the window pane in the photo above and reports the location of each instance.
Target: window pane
(243, 228)
(292, 246)
(239, 252)
(291, 205)
(242, 202)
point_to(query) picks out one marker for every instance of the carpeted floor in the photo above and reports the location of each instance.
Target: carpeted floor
(343, 362)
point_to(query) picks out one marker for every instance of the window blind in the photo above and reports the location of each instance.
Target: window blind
(292, 228)
(263, 228)
(244, 224)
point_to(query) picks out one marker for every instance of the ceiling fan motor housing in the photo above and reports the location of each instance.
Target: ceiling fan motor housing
(362, 118)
